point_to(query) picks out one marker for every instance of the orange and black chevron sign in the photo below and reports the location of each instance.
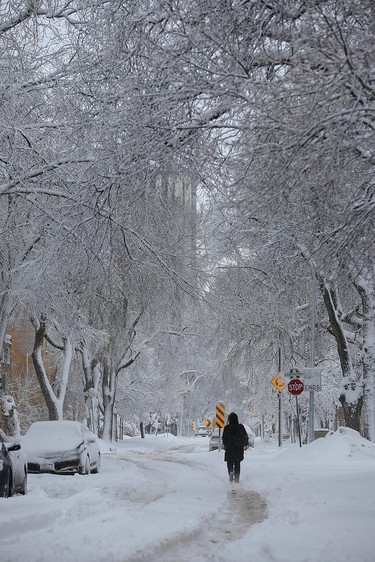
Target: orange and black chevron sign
(220, 409)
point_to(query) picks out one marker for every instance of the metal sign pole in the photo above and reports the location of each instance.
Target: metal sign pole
(280, 416)
(298, 424)
(312, 354)
(280, 422)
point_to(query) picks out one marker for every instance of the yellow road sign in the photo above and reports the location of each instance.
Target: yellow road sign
(220, 410)
(279, 382)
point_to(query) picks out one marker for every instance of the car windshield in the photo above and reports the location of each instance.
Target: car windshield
(62, 435)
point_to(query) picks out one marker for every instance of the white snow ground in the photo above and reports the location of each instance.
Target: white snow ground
(167, 499)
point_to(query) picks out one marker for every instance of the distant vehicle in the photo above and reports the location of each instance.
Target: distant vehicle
(13, 467)
(213, 442)
(250, 434)
(61, 447)
(202, 431)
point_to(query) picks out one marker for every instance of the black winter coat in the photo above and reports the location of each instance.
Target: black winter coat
(233, 451)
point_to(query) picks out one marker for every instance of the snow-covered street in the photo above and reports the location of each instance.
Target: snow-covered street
(165, 499)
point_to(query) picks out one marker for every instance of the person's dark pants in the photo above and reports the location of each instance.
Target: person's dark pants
(234, 467)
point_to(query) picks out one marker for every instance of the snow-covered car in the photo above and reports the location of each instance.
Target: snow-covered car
(213, 442)
(202, 431)
(251, 435)
(62, 447)
(13, 467)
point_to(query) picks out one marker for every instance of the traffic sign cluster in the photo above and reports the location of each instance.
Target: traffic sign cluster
(309, 379)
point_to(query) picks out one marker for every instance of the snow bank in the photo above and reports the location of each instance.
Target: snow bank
(334, 448)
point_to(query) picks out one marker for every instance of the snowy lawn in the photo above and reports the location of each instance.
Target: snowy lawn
(168, 499)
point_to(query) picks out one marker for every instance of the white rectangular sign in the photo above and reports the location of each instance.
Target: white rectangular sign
(312, 378)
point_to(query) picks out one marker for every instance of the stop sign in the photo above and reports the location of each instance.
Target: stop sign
(295, 386)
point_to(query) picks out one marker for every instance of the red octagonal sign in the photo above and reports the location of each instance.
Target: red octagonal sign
(295, 386)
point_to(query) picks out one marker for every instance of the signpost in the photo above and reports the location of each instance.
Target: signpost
(220, 411)
(295, 387)
(312, 347)
(279, 383)
(312, 378)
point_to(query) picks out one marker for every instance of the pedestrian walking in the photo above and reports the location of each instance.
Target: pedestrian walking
(235, 439)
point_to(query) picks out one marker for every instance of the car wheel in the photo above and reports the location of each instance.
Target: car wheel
(23, 489)
(98, 465)
(4, 490)
(8, 488)
(86, 468)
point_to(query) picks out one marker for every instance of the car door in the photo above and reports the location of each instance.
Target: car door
(17, 459)
(5, 467)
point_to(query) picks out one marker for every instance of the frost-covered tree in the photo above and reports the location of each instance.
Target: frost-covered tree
(113, 107)
(289, 87)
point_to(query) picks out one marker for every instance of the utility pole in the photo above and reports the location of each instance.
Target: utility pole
(312, 352)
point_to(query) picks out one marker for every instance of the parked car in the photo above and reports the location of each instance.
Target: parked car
(13, 467)
(250, 434)
(61, 447)
(213, 442)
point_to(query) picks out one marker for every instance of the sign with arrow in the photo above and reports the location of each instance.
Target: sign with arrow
(279, 382)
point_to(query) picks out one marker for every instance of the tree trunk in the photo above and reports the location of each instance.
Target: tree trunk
(41, 374)
(4, 317)
(109, 393)
(110, 378)
(108, 405)
(366, 289)
(351, 396)
(90, 388)
(352, 413)
(54, 396)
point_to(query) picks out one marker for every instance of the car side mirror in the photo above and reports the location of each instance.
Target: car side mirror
(14, 447)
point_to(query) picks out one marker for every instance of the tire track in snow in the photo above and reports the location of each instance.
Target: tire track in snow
(242, 509)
